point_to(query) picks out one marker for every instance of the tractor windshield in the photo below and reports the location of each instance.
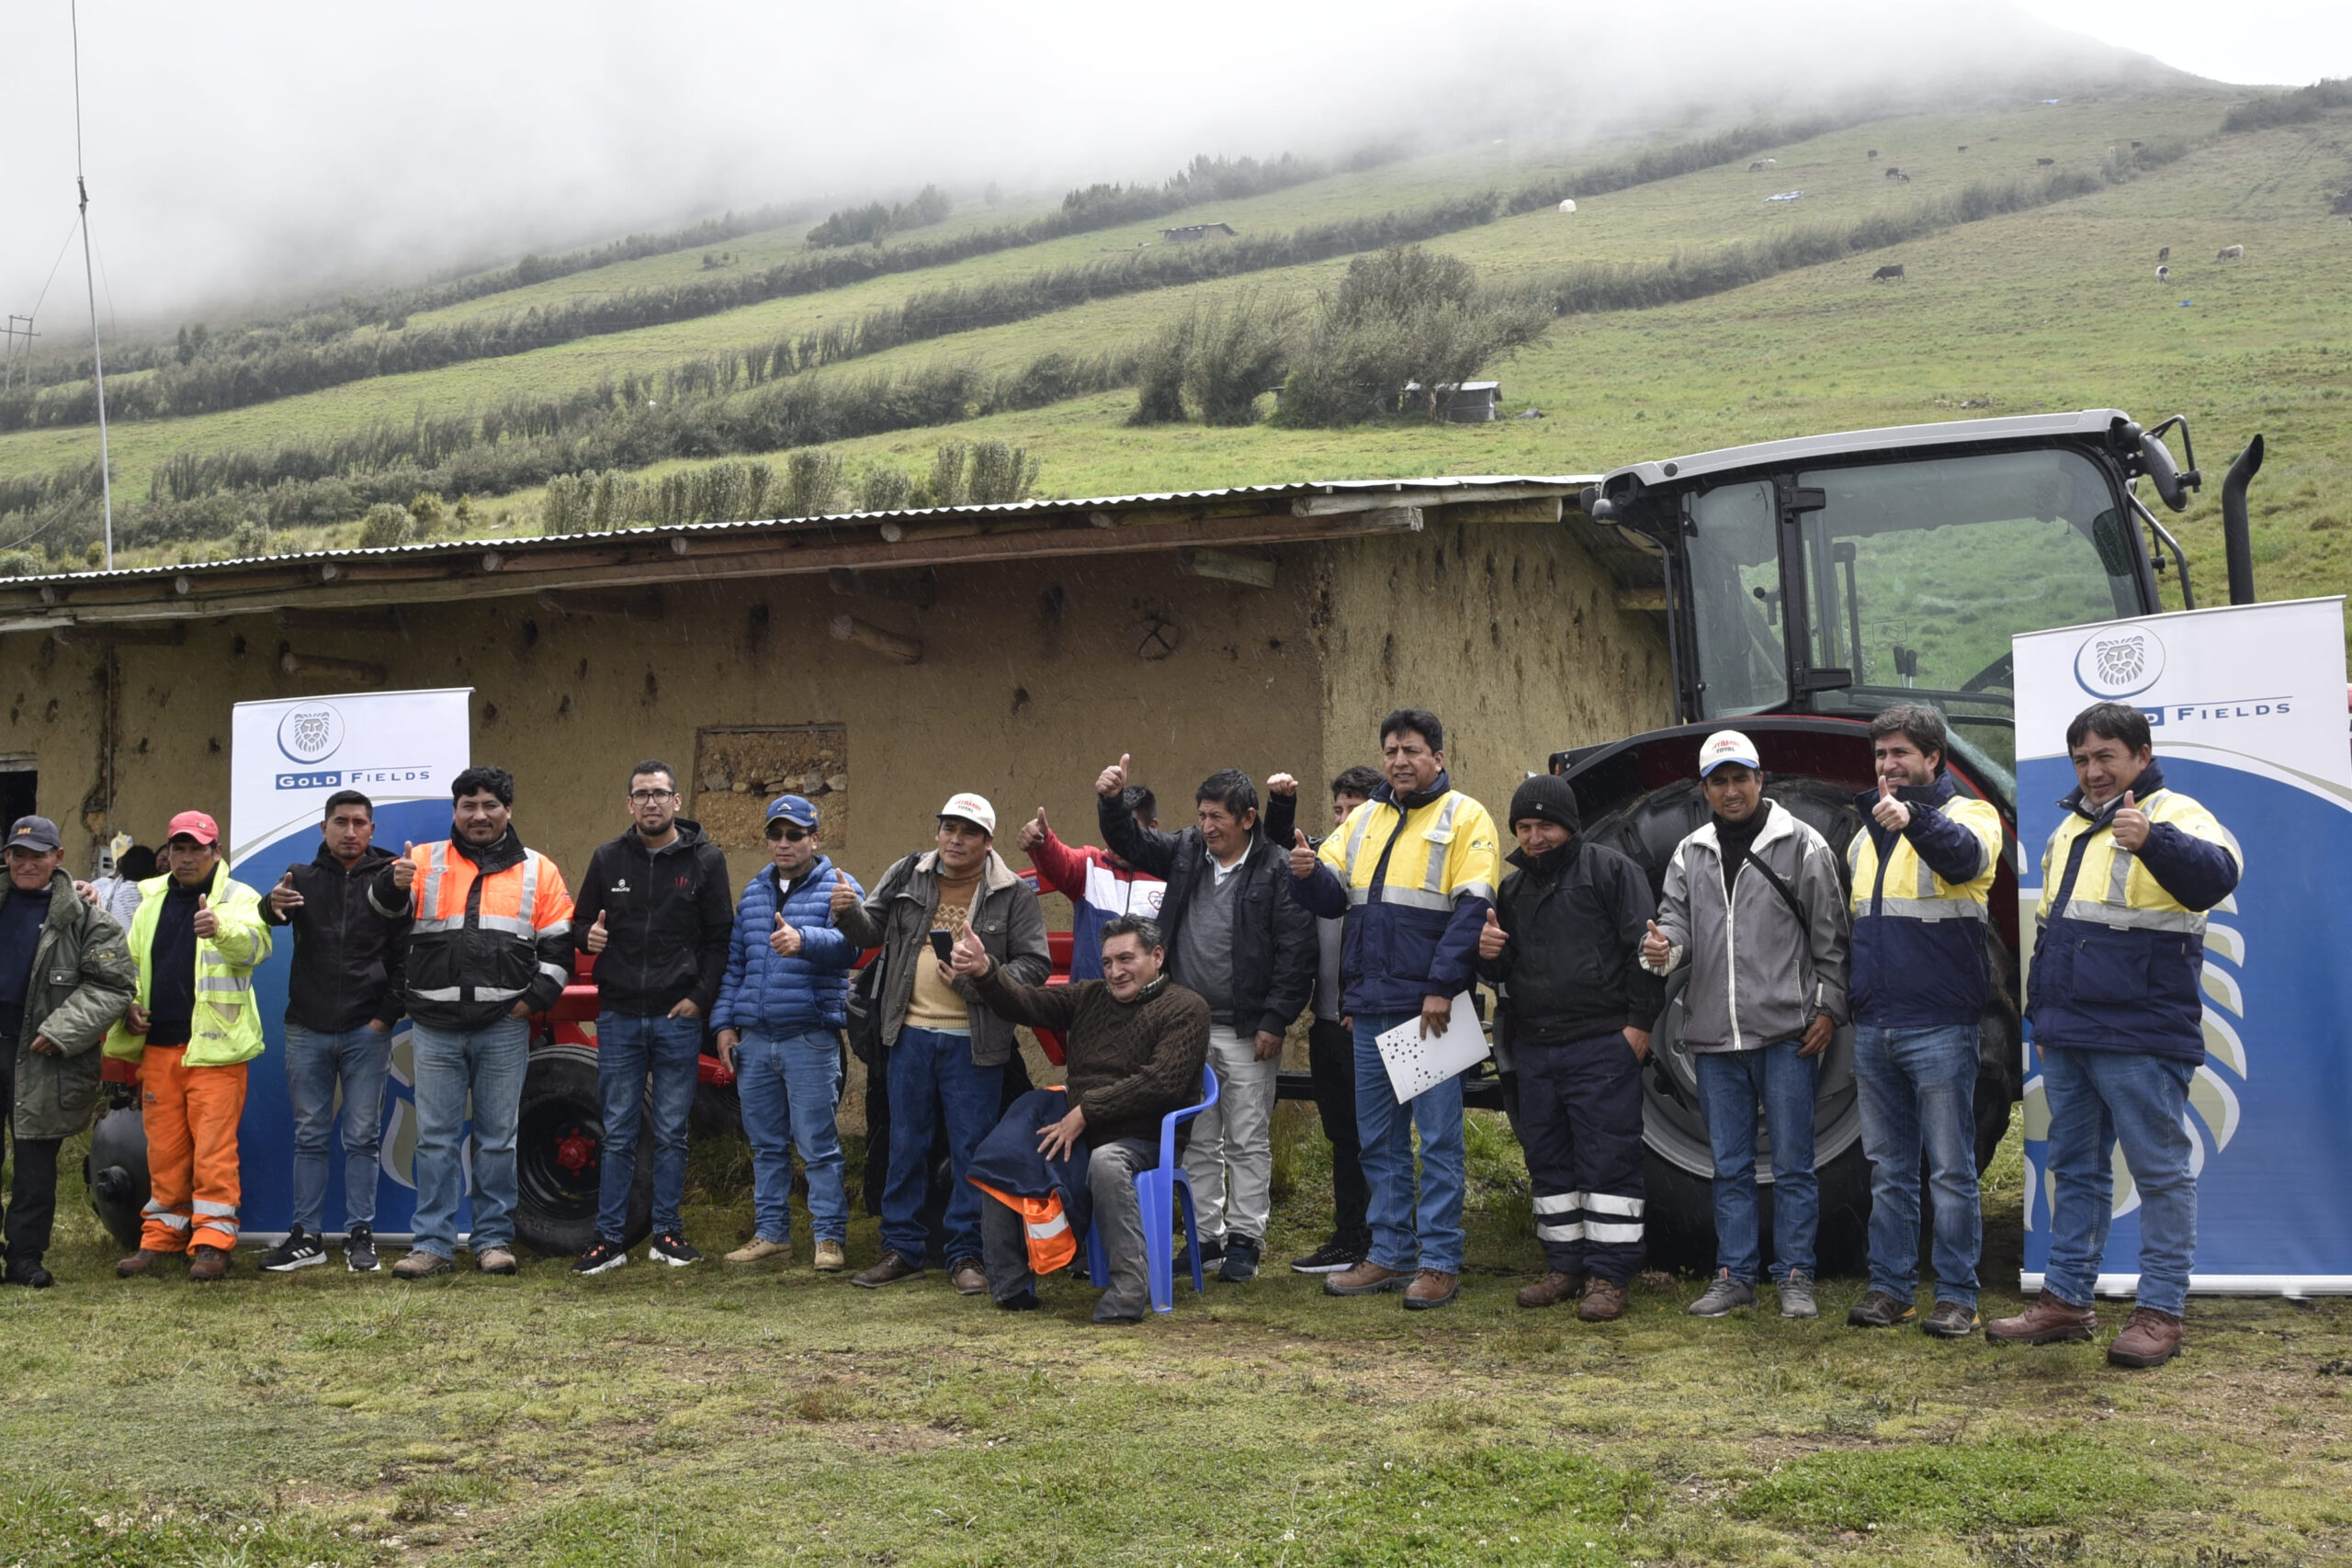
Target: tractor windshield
(1913, 577)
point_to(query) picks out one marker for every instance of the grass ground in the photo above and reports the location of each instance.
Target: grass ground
(711, 1416)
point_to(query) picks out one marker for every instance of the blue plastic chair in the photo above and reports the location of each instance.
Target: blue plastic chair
(1155, 1189)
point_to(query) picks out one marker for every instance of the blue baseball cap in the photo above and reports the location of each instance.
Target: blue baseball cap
(794, 809)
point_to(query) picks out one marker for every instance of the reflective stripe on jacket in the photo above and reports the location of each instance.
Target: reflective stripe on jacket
(2120, 961)
(493, 926)
(1921, 903)
(1415, 879)
(225, 1029)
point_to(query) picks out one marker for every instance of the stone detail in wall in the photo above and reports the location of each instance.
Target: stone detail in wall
(738, 770)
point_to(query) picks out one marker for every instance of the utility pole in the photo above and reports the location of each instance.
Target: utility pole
(89, 277)
(13, 332)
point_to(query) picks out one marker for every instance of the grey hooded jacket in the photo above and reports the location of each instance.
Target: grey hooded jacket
(1757, 976)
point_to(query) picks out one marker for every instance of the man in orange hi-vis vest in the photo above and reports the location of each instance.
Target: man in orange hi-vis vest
(490, 945)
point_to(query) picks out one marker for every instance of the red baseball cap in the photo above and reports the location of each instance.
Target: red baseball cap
(195, 825)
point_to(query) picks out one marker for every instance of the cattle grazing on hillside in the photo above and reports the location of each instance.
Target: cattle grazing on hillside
(2044, 163)
(2232, 253)
(1761, 164)
(1874, 153)
(1891, 272)
(1963, 146)
(1905, 178)
(2164, 253)
(1893, 172)
(2164, 274)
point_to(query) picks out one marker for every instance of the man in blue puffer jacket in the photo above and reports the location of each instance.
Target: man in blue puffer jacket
(781, 1010)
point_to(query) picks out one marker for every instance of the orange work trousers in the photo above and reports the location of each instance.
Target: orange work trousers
(191, 1115)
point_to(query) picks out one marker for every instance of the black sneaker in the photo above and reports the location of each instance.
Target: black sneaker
(1240, 1260)
(1212, 1252)
(1334, 1257)
(27, 1272)
(300, 1249)
(359, 1251)
(599, 1259)
(671, 1247)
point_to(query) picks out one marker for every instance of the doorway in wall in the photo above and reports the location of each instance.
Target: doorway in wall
(19, 789)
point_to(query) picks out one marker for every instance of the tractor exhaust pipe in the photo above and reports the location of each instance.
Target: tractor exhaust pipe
(2237, 540)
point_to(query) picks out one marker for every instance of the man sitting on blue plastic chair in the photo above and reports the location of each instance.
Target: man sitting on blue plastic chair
(1135, 1044)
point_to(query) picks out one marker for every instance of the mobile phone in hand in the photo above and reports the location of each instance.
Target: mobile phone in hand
(941, 943)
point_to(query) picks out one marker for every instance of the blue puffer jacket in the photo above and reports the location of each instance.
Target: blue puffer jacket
(764, 994)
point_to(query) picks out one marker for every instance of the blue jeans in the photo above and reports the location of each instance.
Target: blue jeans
(1918, 1090)
(791, 1085)
(1732, 1085)
(629, 1049)
(932, 1076)
(2099, 1098)
(359, 1060)
(1407, 1234)
(487, 1066)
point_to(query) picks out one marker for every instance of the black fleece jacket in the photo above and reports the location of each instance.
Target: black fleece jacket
(348, 960)
(668, 913)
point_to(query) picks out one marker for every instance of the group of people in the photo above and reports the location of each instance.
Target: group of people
(1195, 952)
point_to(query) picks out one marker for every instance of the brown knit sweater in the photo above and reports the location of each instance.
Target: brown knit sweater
(1130, 1063)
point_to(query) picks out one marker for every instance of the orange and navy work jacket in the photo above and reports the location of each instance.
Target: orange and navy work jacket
(1008, 1167)
(493, 926)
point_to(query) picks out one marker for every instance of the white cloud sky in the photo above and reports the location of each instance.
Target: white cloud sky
(241, 148)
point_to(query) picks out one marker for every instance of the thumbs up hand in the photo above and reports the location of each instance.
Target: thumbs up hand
(2129, 824)
(207, 924)
(1655, 949)
(1113, 779)
(283, 897)
(1302, 856)
(1032, 833)
(968, 957)
(1283, 785)
(1890, 813)
(784, 941)
(1491, 937)
(844, 899)
(596, 936)
(404, 869)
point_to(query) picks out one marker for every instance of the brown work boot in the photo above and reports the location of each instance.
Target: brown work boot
(2047, 1321)
(210, 1264)
(1431, 1288)
(1604, 1301)
(831, 1257)
(420, 1264)
(2150, 1339)
(1367, 1279)
(969, 1278)
(139, 1262)
(1551, 1289)
(887, 1269)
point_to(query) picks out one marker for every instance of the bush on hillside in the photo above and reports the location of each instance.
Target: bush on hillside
(1159, 372)
(1405, 316)
(1239, 351)
(885, 488)
(999, 473)
(812, 484)
(387, 524)
(2290, 108)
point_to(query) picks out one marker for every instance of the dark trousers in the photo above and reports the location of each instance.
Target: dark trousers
(1331, 1060)
(1580, 1123)
(32, 1196)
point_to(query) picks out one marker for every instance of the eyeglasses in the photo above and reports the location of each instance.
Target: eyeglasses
(789, 835)
(640, 796)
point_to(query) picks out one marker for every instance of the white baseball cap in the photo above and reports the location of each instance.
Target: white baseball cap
(971, 808)
(1724, 746)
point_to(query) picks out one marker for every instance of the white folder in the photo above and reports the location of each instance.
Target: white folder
(1416, 1065)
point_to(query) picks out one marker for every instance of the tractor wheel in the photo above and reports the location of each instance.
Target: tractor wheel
(114, 1173)
(560, 1137)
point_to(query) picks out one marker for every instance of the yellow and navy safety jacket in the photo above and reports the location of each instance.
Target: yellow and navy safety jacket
(1415, 879)
(2120, 961)
(1921, 900)
(493, 926)
(225, 1029)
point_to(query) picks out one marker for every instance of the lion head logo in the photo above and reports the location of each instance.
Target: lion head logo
(311, 733)
(2119, 661)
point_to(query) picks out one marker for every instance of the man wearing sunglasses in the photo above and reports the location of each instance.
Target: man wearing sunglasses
(780, 1016)
(654, 909)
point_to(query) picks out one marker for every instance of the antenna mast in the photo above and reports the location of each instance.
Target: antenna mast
(89, 277)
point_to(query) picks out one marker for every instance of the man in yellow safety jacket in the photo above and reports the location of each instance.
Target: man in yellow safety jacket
(197, 939)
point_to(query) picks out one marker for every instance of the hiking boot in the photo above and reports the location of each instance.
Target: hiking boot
(600, 1259)
(1796, 1295)
(27, 1272)
(831, 1257)
(1604, 1301)
(1026, 1301)
(760, 1246)
(421, 1265)
(139, 1262)
(359, 1251)
(1240, 1264)
(1551, 1289)
(969, 1278)
(672, 1248)
(1431, 1288)
(1724, 1297)
(496, 1260)
(1332, 1258)
(1367, 1279)
(887, 1269)
(1880, 1309)
(300, 1249)
(209, 1264)
(1949, 1320)
(2049, 1321)
(2150, 1339)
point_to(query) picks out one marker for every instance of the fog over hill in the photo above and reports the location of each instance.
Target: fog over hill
(257, 152)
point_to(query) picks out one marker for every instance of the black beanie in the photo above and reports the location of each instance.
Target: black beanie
(1548, 798)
